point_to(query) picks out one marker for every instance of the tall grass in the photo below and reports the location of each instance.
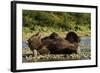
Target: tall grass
(48, 30)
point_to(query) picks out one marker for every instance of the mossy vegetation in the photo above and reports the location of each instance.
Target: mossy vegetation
(59, 22)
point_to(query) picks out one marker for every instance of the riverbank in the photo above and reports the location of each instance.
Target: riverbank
(28, 57)
(85, 53)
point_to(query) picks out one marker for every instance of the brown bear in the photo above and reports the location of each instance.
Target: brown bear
(58, 45)
(34, 42)
(54, 44)
(36, 46)
(73, 38)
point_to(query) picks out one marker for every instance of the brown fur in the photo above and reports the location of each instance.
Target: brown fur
(58, 45)
(72, 37)
(34, 42)
(54, 44)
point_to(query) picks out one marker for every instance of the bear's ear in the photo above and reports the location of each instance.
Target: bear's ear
(39, 35)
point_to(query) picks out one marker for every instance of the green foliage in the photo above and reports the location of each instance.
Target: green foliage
(48, 21)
